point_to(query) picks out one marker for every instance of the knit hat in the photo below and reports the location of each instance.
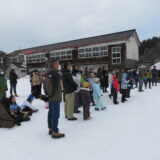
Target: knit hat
(85, 84)
(31, 97)
(96, 80)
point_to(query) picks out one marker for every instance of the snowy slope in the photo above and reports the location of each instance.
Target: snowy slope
(127, 131)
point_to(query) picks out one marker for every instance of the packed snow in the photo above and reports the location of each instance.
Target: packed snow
(127, 131)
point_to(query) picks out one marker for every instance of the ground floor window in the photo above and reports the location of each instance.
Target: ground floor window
(116, 55)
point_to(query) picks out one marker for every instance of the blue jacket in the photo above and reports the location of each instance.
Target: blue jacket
(97, 92)
(124, 81)
(14, 106)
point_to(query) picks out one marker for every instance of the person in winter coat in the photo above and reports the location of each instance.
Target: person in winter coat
(141, 76)
(36, 84)
(27, 105)
(124, 83)
(69, 88)
(110, 80)
(13, 82)
(148, 75)
(15, 110)
(154, 76)
(3, 85)
(100, 76)
(105, 80)
(135, 77)
(97, 94)
(115, 89)
(53, 89)
(77, 103)
(6, 119)
(85, 98)
(119, 77)
(91, 81)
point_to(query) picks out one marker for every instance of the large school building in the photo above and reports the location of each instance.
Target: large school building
(116, 50)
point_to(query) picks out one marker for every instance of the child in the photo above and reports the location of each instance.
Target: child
(97, 93)
(85, 100)
(15, 110)
(28, 107)
(115, 89)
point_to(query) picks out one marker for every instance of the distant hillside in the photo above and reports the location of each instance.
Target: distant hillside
(150, 50)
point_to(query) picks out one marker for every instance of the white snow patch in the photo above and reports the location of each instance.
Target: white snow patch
(127, 131)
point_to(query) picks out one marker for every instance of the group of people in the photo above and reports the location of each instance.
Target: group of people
(11, 113)
(77, 89)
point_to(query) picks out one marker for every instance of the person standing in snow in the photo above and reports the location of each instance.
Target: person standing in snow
(141, 76)
(76, 78)
(124, 83)
(36, 84)
(115, 89)
(148, 75)
(3, 85)
(154, 76)
(85, 98)
(69, 88)
(53, 89)
(97, 94)
(13, 82)
(110, 81)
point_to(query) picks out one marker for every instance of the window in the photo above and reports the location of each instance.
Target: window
(88, 52)
(61, 55)
(116, 55)
(36, 58)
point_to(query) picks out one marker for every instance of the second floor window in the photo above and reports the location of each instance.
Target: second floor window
(91, 52)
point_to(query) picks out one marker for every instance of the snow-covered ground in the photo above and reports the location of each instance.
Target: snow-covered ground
(129, 131)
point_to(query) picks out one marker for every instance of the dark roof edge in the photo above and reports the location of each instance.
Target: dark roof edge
(81, 39)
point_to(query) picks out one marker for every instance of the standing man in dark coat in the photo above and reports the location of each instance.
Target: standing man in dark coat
(53, 89)
(13, 82)
(69, 88)
(154, 76)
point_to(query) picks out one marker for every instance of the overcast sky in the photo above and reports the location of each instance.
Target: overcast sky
(29, 23)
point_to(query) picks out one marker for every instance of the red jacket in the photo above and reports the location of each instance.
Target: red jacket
(115, 83)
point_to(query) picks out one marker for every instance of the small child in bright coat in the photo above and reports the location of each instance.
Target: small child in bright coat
(97, 94)
(115, 89)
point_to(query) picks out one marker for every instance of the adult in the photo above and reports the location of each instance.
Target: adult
(105, 79)
(148, 75)
(76, 78)
(141, 76)
(3, 85)
(154, 76)
(100, 76)
(6, 120)
(53, 89)
(13, 82)
(36, 84)
(69, 87)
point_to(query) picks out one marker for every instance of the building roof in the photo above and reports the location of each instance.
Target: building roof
(113, 37)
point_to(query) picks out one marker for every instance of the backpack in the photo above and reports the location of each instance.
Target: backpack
(51, 83)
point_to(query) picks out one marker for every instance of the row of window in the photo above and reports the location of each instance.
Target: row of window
(36, 58)
(61, 55)
(92, 52)
(88, 52)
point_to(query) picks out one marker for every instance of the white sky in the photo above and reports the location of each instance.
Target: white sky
(29, 23)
